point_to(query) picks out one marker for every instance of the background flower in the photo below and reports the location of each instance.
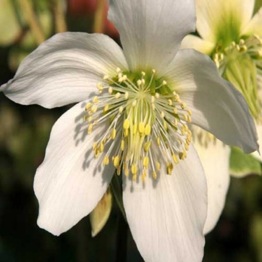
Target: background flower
(232, 38)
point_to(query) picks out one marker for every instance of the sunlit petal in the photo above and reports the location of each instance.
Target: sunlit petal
(215, 104)
(151, 32)
(70, 181)
(166, 216)
(65, 69)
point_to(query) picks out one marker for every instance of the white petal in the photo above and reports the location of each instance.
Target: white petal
(70, 181)
(257, 154)
(151, 30)
(255, 25)
(65, 69)
(214, 15)
(197, 43)
(215, 104)
(215, 160)
(166, 216)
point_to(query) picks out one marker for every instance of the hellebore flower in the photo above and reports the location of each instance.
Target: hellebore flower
(133, 115)
(232, 38)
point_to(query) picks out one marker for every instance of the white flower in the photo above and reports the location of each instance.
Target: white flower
(232, 38)
(133, 113)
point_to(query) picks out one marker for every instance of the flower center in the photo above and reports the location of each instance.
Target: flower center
(147, 123)
(241, 64)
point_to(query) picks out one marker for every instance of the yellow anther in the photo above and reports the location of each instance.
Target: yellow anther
(153, 99)
(164, 82)
(116, 161)
(117, 95)
(158, 141)
(153, 71)
(158, 166)
(157, 95)
(106, 107)
(183, 105)
(122, 144)
(221, 56)
(123, 78)
(170, 102)
(176, 97)
(134, 169)
(88, 105)
(139, 82)
(106, 160)
(90, 129)
(141, 127)
(121, 109)
(175, 122)
(126, 95)
(147, 130)
(243, 48)
(175, 158)
(162, 114)
(95, 99)
(126, 170)
(101, 147)
(118, 70)
(241, 41)
(94, 108)
(145, 161)
(110, 90)
(147, 146)
(106, 77)
(125, 132)
(182, 155)
(134, 103)
(126, 124)
(143, 73)
(113, 133)
(169, 168)
(154, 175)
(143, 81)
(100, 87)
(188, 118)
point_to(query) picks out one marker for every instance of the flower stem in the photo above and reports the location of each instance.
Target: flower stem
(59, 14)
(31, 19)
(99, 19)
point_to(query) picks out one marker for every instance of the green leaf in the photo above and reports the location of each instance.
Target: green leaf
(242, 164)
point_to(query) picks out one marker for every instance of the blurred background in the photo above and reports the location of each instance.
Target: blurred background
(24, 132)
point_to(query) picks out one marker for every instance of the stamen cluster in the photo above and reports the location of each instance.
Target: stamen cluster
(241, 64)
(251, 46)
(147, 123)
